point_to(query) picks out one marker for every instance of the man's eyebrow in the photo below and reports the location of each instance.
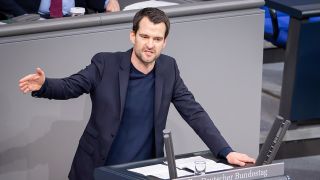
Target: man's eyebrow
(142, 34)
(159, 37)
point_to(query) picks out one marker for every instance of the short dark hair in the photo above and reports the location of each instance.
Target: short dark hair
(155, 15)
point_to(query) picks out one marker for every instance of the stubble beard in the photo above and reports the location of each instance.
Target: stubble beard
(145, 62)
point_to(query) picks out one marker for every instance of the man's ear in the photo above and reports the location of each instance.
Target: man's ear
(132, 37)
(164, 43)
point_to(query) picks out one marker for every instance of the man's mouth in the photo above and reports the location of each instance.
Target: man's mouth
(148, 53)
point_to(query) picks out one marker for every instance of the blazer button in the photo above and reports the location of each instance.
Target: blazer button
(112, 135)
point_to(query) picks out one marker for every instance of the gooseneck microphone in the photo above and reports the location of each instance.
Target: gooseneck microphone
(170, 154)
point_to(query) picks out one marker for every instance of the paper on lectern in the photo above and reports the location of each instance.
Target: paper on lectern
(158, 170)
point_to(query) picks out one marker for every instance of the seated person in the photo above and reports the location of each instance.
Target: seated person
(20, 7)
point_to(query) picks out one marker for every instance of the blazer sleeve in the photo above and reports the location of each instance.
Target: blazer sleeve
(75, 85)
(11, 7)
(192, 112)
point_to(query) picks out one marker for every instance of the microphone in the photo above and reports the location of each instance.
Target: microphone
(170, 154)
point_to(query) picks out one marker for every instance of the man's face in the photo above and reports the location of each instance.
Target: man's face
(148, 41)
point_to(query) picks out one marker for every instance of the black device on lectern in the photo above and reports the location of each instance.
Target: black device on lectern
(273, 141)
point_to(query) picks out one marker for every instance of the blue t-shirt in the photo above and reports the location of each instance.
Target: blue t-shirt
(135, 138)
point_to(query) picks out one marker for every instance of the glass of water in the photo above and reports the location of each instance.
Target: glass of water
(199, 167)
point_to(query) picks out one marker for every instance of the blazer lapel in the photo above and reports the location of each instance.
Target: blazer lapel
(158, 88)
(124, 79)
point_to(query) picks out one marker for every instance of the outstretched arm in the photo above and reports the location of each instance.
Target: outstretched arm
(32, 82)
(65, 88)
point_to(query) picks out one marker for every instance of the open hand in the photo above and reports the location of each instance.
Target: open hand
(32, 82)
(239, 159)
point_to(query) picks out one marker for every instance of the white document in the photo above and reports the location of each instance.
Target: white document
(211, 165)
(159, 170)
(150, 3)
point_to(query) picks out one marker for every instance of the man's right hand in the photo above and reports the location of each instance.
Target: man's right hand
(32, 82)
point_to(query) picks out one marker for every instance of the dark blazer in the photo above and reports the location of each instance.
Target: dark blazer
(106, 79)
(20, 7)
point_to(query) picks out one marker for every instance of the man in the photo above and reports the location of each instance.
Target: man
(131, 94)
(21, 7)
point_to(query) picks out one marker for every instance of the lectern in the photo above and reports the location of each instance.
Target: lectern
(120, 172)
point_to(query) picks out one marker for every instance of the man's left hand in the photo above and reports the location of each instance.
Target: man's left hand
(239, 159)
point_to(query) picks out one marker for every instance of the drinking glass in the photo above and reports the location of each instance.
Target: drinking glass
(199, 167)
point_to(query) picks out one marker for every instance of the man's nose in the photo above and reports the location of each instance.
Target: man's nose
(150, 43)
